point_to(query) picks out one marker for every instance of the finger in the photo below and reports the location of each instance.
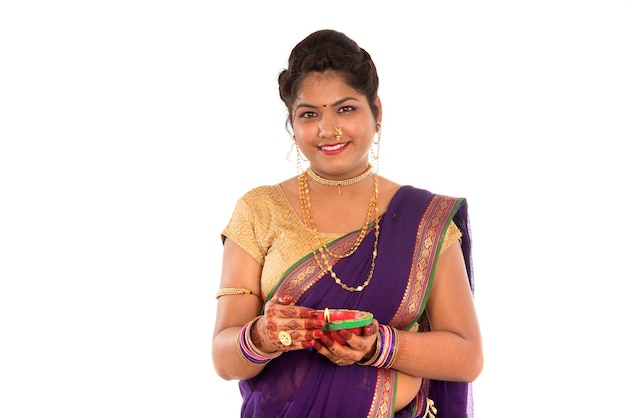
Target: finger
(284, 299)
(311, 335)
(370, 329)
(337, 358)
(293, 311)
(276, 310)
(353, 341)
(287, 340)
(342, 362)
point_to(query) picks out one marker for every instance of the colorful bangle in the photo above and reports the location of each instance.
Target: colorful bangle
(388, 351)
(386, 348)
(248, 351)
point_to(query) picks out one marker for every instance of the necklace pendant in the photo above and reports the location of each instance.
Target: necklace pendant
(339, 189)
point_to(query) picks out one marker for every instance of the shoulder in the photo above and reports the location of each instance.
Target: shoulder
(255, 216)
(262, 196)
(261, 192)
(411, 192)
(264, 205)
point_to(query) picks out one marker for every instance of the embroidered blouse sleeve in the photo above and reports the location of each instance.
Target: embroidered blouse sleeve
(241, 229)
(452, 235)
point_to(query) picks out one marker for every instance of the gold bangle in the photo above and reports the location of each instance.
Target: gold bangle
(254, 347)
(232, 291)
(374, 356)
(236, 291)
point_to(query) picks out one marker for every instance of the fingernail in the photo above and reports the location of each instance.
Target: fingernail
(318, 334)
(284, 299)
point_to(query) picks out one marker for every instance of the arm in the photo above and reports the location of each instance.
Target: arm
(452, 350)
(239, 269)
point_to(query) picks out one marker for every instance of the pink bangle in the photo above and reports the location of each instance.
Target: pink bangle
(248, 351)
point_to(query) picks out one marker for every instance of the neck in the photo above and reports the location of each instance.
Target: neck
(338, 183)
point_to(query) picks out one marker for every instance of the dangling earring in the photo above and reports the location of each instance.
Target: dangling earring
(375, 148)
(299, 157)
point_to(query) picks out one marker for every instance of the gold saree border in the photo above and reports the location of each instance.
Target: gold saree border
(429, 237)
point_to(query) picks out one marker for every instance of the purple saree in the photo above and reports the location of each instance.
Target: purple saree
(303, 383)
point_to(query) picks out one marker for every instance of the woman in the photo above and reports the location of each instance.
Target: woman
(339, 236)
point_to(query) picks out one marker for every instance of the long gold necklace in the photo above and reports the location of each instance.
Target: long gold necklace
(339, 183)
(322, 253)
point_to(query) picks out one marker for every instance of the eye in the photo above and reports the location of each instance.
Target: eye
(344, 109)
(308, 115)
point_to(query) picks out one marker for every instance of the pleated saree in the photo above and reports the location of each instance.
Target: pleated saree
(302, 383)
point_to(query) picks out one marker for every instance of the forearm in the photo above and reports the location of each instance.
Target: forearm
(440, 355)
(228, 359)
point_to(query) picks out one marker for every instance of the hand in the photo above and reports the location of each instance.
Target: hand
(347, 347)
(287, 326)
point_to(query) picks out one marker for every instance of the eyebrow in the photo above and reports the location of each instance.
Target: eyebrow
(337, 103)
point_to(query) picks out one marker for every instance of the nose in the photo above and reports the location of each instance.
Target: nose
(327, 127)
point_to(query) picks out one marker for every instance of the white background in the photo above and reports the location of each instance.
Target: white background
(129, 128)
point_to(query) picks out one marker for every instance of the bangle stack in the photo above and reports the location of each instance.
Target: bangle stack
(248, 351)
(386, 348)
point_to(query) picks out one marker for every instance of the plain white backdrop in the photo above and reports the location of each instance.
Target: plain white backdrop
(129, 128)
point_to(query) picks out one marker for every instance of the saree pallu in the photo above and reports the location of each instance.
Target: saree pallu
(303, 383)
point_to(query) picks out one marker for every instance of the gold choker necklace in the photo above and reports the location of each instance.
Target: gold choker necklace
(339, 183)
(321, 252)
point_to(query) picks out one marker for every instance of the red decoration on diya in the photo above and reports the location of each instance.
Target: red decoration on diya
(344, 319)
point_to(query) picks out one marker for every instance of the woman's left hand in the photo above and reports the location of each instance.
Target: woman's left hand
(347, 347)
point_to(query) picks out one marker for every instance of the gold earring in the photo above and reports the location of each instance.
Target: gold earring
(339, 133)
(299, 158)
(375, 148)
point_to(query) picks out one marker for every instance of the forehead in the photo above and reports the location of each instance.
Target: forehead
(326, 87)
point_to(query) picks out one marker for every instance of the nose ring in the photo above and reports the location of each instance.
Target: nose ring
(339, 132)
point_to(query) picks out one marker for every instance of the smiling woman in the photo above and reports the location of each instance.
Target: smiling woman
(326, 244)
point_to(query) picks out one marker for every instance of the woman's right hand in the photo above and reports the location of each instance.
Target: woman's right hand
(286, 327)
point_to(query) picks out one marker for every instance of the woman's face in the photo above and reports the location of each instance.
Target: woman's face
(325, 107)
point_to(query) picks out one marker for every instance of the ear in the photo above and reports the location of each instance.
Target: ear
(380, 110)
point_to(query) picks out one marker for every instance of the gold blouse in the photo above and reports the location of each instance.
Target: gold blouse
(266, 226)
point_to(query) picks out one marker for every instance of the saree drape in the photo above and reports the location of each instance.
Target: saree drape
(302, 383)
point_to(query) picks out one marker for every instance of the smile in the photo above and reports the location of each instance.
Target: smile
(334, 147)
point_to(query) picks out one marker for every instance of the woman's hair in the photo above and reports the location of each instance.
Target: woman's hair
(329, 50)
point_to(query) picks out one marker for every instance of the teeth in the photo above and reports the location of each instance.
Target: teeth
(332, 147)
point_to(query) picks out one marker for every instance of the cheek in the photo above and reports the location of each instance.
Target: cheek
(304, 132)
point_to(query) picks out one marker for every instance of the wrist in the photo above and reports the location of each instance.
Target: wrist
(249, 351)
(371, 353)
(385, 350)
(259, 337)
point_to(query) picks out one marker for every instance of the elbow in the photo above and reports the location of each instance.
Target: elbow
(225, 376)
(220, 366)
(473, 367)
(221, 372)
(473, 360)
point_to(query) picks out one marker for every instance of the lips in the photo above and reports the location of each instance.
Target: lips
(333, 147)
